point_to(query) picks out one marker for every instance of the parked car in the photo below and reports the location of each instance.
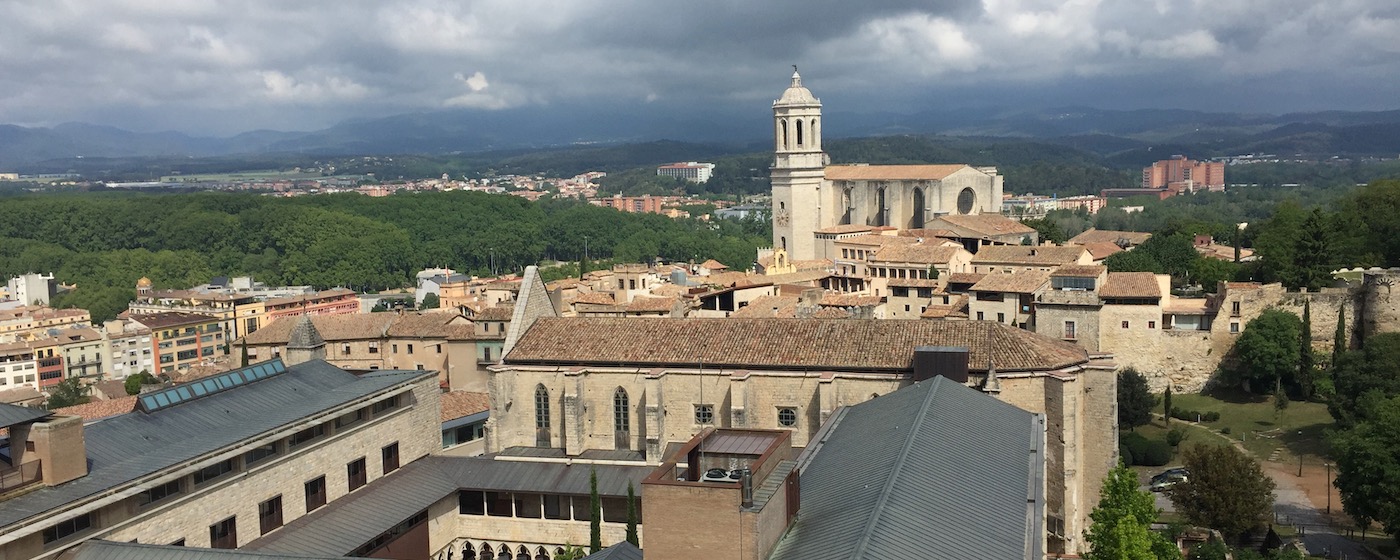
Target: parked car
(1169, 478)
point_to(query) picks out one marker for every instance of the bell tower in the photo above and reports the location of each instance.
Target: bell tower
(799, 168)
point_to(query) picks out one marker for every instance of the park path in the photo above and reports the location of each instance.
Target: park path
(1292, 506)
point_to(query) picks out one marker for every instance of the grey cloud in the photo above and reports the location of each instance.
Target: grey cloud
(205, 66)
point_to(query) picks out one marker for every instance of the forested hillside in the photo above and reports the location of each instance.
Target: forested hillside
(104, 242)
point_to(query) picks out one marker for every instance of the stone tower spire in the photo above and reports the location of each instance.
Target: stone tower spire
(798, 170)
(305, 343)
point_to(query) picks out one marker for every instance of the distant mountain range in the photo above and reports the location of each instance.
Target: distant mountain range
(1121, 137)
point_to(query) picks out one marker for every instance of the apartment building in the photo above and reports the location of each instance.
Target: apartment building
(183, 340)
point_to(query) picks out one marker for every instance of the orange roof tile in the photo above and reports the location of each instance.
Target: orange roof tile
(864, 345)
(1093, 235)
(97, 410)
(456, 404)
(1023, 282)
(1131, 285)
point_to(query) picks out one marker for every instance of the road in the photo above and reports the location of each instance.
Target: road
(1292, 507)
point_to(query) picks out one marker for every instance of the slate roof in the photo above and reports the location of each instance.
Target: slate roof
(790, 344)
(124, 448)
(620, 551)
(96, 549)
(934, 470)
(1131, 285)
(417, 485)
(1093, 235)
(11, 414)
(1021, 282)
(1022, 254)
(891, 172)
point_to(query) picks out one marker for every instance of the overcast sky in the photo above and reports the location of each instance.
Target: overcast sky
(221, 67)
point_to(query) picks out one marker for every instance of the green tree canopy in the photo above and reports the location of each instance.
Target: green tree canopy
(1226, 490)
(1266, 353)
(1373, 372)
(1121, 521)
(67, 393)
(1368, 465)
(1135, 401)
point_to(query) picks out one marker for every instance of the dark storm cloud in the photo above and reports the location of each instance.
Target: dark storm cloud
(229, 66)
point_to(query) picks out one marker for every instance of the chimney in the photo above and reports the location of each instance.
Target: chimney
(58, 445)
(746, 487)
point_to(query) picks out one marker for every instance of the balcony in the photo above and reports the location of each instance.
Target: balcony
(25, 474)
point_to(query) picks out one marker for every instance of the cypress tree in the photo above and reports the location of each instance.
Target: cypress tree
(244, 346)
(595, 508)
(632, 516)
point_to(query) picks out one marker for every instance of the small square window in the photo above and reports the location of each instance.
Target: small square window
(1125, 324)
(1151, 324)
(1234, 327)
(704, 414)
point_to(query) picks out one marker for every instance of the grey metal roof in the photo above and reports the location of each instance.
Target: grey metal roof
(620, 551)
(108, 550)
(124, 448)
(390, 500)
(11, 414)
(935, 470)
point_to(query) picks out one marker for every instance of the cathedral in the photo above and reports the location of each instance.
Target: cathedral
(810, 194)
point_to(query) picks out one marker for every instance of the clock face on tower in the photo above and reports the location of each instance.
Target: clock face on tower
(782, 218)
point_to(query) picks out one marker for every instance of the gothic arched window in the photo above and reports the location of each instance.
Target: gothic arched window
(542, 424)
(918, 220)
(622, 420)
(799, 132)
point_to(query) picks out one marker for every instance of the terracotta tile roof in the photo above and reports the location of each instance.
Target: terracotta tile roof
(171, 319)
(456, 404)
(97, 410)
(1130, 285)
(354, 326)
(111, 388)
(831, 313)
(913, 283)
(928, 233)
(965, 278)
(595, 298)
(563, 283)
(200, 371)
(891, 172)
(875, 240)
(840, 345)
(1022, 282)
(987, 224)
(1080, 271)
(713, 265)
(845, 228)
(929, 252)
(670, 290)
(20, 394)
(1109, 236)
(450, 326)
(849, 300)
(724, 279)
(642, 304)
(956, 307)
(1102, 250)
(768, 306)
(1243, 285)
(324, 294)
(1027, 255)
(498, 313)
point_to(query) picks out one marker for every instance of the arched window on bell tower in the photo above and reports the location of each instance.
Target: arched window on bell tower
(799, 133)
(783, 134)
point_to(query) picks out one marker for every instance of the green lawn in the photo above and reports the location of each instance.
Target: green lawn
(1298, 429)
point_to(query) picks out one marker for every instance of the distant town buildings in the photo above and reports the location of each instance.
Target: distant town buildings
(1178, 175)
(1037, 206)
(28, 289)
(695, 172)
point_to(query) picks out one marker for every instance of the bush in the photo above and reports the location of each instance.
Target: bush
(1136, 445)
(1225, 430)
(1125, 454)
(1189, 415)
(1212, 416)
(1176, 436)
(1155, 454)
